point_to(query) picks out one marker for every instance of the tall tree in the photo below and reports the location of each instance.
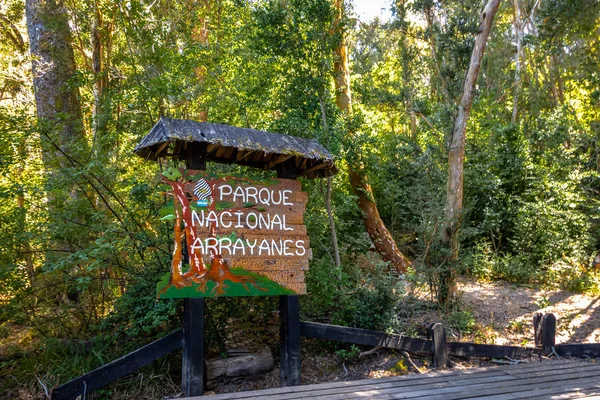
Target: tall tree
(456, 152)
(54, 69)
(381, 237)
(519, 58)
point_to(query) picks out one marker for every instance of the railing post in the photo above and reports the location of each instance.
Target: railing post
(537, 328)
(548, 333)
(439, 349)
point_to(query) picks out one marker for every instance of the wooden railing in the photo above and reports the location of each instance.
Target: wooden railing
(436, 346)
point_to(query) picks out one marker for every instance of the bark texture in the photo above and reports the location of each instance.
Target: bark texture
(101, 44)
(54, 69)
(456, 152)
(379, 234)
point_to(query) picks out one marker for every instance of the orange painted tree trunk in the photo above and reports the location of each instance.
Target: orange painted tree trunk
(379, 234)
(456, 153)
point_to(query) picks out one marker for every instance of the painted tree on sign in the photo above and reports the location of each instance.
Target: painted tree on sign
(185, 199)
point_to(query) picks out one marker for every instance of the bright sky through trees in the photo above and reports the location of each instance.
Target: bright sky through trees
(367, 10)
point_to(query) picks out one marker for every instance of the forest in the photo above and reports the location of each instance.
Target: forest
(466, 134)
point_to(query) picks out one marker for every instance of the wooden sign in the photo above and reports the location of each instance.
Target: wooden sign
(243, 236)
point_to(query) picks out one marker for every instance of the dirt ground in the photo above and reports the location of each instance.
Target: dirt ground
(508, 312)
(502, 314)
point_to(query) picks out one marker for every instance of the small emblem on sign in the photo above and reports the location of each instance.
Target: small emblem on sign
(202, 191)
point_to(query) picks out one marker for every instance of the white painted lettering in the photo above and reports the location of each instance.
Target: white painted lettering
(300, 249)
(285, 198)
(224, 190)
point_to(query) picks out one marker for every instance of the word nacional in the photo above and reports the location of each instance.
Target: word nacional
(271, 227)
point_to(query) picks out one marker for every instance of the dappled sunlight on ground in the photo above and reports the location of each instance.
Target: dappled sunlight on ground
(504, 312)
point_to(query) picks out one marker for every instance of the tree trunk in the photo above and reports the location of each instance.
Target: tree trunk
(334, 241)
(53, 66)
(381, 237)
(456, 152)
(518, 25)
(99, 67)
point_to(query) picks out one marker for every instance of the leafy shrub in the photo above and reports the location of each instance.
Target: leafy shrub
(371, 305)
(137, 312)
(463, 321)
(349, 354)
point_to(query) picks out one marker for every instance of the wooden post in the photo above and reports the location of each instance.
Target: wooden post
(537, 328)
(289, 358)
(289, 314)
(438, 347)
(192, 363)
(548, 333)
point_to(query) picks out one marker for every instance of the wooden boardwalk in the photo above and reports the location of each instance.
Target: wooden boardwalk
(560, 379)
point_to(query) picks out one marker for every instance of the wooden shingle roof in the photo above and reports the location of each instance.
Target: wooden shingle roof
(228, 144)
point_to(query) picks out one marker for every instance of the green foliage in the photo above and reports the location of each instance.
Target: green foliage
(363, 294)
(350, 354)
(463, 321)
(137, 313)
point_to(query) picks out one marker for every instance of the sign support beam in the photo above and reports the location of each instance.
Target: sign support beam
(289, 314)
(192, 363)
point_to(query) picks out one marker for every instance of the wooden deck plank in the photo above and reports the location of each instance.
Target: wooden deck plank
(555, 378)
(473, 391)
(428, 388)
(382, 388)
(549, 365)
(571, 391)
(517, 385)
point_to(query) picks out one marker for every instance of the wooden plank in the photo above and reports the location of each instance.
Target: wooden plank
(516, 390)
(277, 161)
(161, 148)
(271, 264)
(425, 385)
(569, 391)
(487, 350)
(532, 373)
(400, 381)
(285, 276)
(476, 390)
(244, 395)
(415, 381)
(343, 392)
(451, 375)
(365, 337)
(293, 230)
(192, 362)
(298, 288)
(119, 368)
(578, 350)
(226, 190)
(292, 242)
(544, 365)
(241, 221)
